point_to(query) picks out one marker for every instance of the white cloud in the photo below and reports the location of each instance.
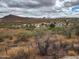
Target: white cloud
(38, 8)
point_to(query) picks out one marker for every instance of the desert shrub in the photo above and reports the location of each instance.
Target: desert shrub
(67, 33)
(27, 34)
(71, 30)
(40, 32)
(52, 25)
(77, 31)
(55, 29)
(21, 39)
(43, 47)
(3, 36)
(1, 40)
(58, 29)
(30, 27)
(24, 36)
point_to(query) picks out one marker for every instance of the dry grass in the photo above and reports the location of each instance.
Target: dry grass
(71, 53)
(30, 48)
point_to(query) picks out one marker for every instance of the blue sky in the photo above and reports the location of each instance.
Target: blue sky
(75, 9)
(40, 8)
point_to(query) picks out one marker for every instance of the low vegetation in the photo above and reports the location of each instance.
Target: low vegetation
(39, 42)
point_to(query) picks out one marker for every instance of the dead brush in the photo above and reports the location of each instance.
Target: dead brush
(17, 53)
(43, 46)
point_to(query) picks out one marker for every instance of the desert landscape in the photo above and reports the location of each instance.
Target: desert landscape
(39, 38)
(39, 29)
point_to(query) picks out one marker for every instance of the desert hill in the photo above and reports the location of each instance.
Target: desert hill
(17, 19)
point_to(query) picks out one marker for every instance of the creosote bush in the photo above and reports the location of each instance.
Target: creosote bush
(4, 36)
(24, 36)
(68, 34)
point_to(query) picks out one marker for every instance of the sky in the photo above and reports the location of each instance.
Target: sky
(40, 8)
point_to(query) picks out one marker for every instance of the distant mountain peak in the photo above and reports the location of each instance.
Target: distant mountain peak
(10, 16)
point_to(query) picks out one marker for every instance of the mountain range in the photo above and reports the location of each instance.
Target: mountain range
(14, 19)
